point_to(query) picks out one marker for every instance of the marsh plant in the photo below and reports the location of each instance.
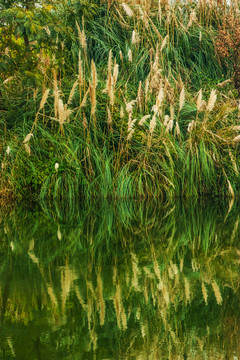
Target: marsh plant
(132, 101)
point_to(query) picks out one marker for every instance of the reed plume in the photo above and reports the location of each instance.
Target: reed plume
(72, 92)
(27, 138)
(92, 89)
(127, 10)
(199, 101)
(212, 100)
(81, 36)
(182, 99)
(80, 71)
(164, 42)
(44, 99)
(27, 149)
(143, 119)
(130, 59)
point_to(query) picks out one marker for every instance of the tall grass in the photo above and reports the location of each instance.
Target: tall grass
(140, 109)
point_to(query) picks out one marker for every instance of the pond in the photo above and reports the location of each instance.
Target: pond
(120, 280)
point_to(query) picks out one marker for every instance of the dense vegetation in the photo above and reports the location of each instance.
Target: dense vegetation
(112, 99)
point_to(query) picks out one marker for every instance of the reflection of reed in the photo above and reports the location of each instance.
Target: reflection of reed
(174, 260)
(67, 278)
(119, 308)
(204, 292)
(100, 299)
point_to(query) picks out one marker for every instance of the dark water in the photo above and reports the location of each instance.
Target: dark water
(123, 280)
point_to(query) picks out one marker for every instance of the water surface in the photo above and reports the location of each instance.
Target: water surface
(120, 280)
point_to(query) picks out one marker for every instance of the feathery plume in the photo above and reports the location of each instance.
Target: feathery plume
(62, 115)
(84, 121)
(129, 106)
(115, 74)
(166, 120)
(135, 38)
(130, 55)
(191, 126)
(94, 74)
(130, 134)
(144, 17)
(182, 99)
(164, 42)
(143, 119)
(160, 98)
(27, 138)
(111, 93)
(9, 79)
(236, 128)
(230, 189)
(146, 89)
(212, 100)
(193, 18)
(199, 100)
(127, 10)
(139, 94)
(223, 83)
(44, 99)
(83, 104)
(178, 132)
(237, 138)
(72, 92)
(82, 37)
(121, 112)
(56, 93)
(109, 119)
(109, 68)
(172, 112)
(152, 124)
(169, 125)
(80, 70)
(121, 55)
(92, 92)
(130, 125)
(27, 149)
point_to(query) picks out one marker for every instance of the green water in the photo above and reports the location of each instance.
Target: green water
(122, 280)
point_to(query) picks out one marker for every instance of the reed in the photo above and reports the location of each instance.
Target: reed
(132, 111)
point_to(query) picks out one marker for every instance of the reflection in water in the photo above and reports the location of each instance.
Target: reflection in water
(123, 280)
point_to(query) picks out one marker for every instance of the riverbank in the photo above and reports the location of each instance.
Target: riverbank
(130, 102)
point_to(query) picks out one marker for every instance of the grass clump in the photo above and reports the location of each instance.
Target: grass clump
(132, 101)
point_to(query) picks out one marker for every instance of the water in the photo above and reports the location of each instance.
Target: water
(123, 280)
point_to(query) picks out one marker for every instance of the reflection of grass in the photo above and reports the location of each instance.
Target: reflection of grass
(148, 276)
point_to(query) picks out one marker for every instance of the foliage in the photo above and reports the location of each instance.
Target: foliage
(228, 44)
(123, 102)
